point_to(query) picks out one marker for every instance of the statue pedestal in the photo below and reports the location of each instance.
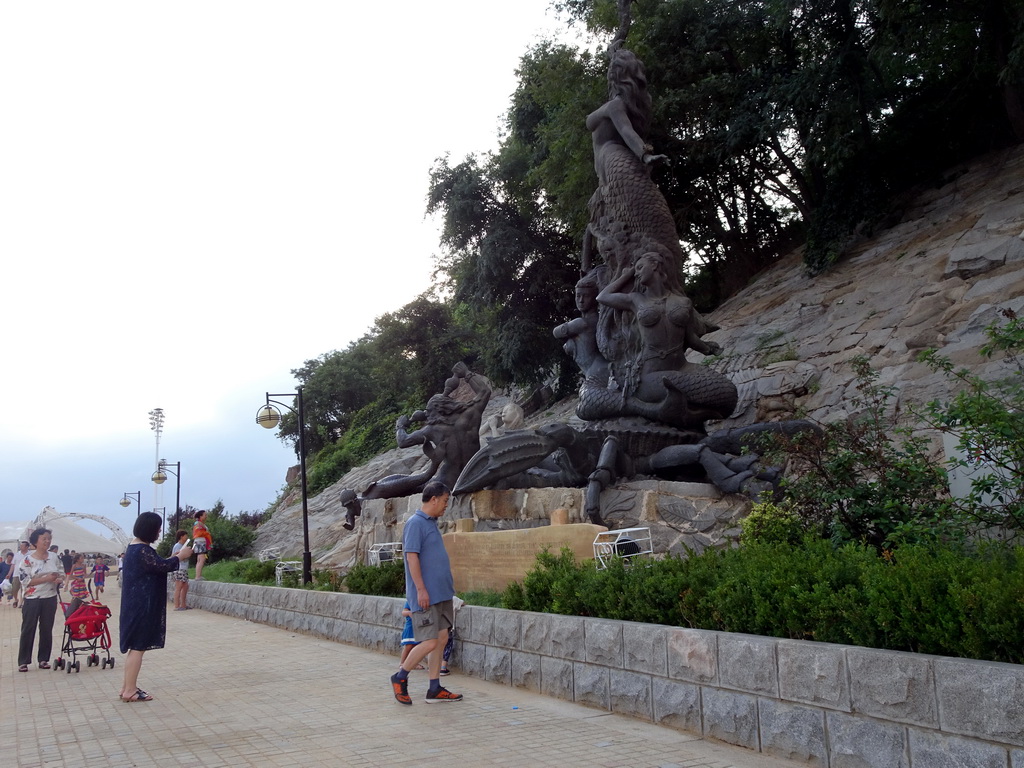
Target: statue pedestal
(482, 561)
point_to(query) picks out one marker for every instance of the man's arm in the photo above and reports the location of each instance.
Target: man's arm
(422, 597)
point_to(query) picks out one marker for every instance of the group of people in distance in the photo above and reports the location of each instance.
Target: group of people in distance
(41, 572)
(37, 573)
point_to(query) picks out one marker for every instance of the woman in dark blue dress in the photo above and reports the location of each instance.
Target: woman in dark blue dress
(144, 600)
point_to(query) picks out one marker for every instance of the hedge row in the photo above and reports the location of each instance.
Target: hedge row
(924, 599)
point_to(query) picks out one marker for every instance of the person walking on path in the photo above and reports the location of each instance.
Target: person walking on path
(408, 637)
(99, 575)
(429, 589)
(143, 621)
(67, 560)
(202, 542)
(41, 575)
(180, 576)
(6, 572)
(15, 565)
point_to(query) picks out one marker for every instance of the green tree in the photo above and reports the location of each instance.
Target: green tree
(352, 398)
(987, 418)
(508, 266)
(402, 360)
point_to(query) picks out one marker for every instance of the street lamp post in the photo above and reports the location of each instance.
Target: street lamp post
(127, 502)
(269, 417)
(160, 477)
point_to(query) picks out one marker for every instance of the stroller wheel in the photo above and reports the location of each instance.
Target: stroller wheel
(111, 663)
(69, 667)
(95, 660)
(78, 666)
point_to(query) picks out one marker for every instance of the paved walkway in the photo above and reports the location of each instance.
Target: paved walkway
(232, 693)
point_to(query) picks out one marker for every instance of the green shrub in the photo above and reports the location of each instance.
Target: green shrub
(386, 579)
(254, 571)
(487, 598)
(869, 478)
(925, 598)
(987, 418)
(770, 523)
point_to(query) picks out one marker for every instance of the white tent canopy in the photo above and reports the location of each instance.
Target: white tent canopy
(67, 534)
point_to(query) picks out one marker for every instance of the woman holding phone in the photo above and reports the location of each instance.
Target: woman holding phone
(144, 600)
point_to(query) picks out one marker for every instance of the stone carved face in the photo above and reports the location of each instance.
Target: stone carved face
(585, 298)
(648, 268)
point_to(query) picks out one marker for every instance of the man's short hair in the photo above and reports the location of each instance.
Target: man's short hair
(434, 488)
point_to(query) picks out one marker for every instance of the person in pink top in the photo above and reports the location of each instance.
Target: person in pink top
(79, 588)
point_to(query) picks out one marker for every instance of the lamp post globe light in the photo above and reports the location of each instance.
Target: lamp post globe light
(160, 477)
(126, 501)
(268, 417)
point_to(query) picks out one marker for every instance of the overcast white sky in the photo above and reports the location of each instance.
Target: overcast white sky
(195, 198)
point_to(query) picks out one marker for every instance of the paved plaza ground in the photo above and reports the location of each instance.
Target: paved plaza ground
(232, 693)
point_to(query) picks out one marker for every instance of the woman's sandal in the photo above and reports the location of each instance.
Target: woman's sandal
(23, 668)
(139, 695)
(44, 665)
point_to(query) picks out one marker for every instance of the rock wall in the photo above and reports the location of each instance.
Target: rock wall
(934, 280)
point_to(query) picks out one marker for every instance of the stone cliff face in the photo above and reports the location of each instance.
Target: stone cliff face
(935, 279)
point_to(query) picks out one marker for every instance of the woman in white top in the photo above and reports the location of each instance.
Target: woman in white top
(42, 576)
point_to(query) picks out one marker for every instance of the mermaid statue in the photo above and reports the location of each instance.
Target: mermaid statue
(635, 323)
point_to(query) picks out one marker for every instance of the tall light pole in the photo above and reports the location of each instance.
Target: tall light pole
(156, 423)
(160, 477)
(269, 417)
(126, 501)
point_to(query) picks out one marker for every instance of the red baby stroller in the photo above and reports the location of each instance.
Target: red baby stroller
(85, 630)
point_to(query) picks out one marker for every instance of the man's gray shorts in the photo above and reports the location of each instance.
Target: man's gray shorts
(426, 624)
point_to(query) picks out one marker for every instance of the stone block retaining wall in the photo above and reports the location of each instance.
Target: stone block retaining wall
(828, 705)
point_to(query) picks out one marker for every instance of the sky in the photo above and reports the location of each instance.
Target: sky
(196, 198)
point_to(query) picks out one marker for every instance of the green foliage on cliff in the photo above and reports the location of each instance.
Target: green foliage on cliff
(871, 477)
(987, 420)
(353, 396)
(868, 478)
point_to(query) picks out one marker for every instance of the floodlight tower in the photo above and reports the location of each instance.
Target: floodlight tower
(156, 423)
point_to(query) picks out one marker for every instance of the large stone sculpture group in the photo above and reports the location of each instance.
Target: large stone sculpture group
(644, 403)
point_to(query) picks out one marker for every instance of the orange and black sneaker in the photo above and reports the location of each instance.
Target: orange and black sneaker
(442, 694)
(401, 688)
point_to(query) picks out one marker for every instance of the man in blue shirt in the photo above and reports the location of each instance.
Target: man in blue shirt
(429, 588)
